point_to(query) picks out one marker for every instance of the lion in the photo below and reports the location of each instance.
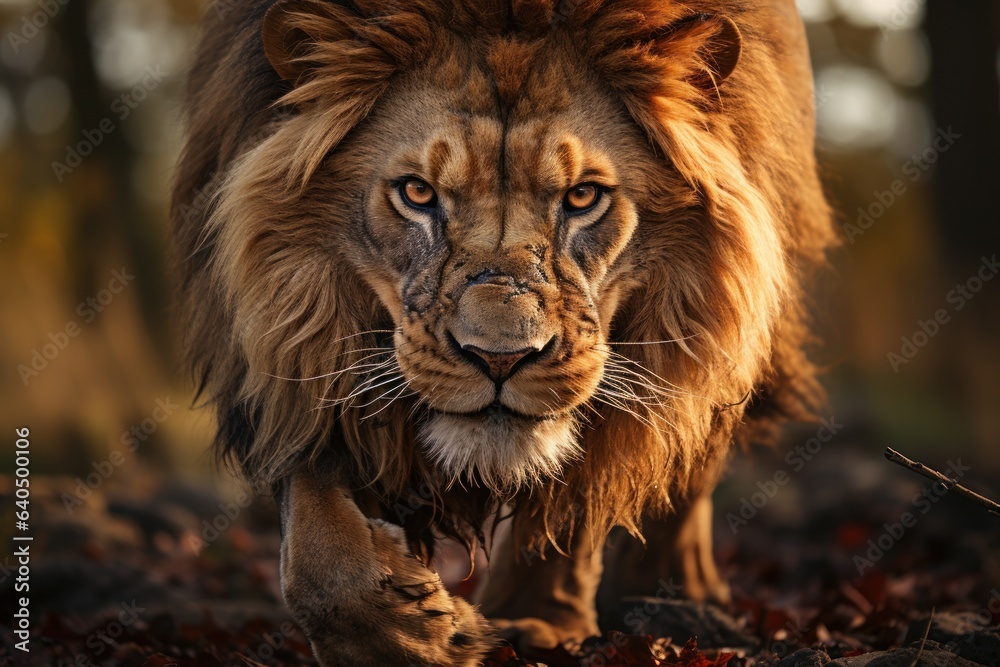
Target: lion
(511, 272)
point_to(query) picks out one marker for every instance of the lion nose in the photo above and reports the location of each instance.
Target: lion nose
(498, 365)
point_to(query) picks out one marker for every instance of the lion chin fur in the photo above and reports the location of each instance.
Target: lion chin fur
(288, 281)
(506, 454)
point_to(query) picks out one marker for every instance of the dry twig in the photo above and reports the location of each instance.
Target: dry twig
(923, 642)
(930, 473)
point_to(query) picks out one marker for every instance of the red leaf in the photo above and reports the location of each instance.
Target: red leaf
(505, 657)
(690, 656)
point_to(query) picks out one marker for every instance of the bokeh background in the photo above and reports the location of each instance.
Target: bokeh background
(90, 125)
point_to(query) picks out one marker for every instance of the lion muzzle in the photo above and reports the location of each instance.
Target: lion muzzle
(500, 326)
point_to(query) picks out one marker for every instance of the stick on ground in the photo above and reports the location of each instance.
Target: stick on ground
(923, 642)
(930, 473)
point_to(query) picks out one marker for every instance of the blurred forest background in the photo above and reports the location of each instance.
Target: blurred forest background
(90, 124)
(104, 77)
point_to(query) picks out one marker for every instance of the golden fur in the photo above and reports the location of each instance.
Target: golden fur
(691, 301)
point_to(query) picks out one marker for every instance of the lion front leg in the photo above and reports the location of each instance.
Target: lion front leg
(676, 560)
(541, 602)
(358, 592)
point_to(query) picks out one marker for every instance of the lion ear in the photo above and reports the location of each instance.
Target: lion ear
(713, 41)
(293, 31)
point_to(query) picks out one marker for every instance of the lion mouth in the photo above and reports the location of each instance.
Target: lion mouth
(499, 412)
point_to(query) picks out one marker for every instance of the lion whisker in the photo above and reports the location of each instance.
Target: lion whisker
(416, 404)
(624, 391)
(588, 406)
(581, 415)
(672, 390)
(372, 402)
(635, 379)
(389, 364)
(373, 367)
(365, 349)
(658, 400)
(365, 333)
(624, 395)
(391, 369)
(624, 408)
(400, 394)
(617, 404)
(388, 368)
(631, 381)
(348, 400)
(625, 398)
(356, 366)
(653, 342)
(641, 373)
(620, 358)
(377, 381)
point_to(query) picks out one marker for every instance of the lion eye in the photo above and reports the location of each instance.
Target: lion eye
(582, 198)
(418, 194)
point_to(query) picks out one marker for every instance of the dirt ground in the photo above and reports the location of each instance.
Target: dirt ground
(844, 557)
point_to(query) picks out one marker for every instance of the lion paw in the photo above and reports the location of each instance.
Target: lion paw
(529, 634)
(401, 617)
(434, 627)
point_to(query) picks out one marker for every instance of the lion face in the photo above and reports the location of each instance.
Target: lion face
(486, 243)
(495, 236)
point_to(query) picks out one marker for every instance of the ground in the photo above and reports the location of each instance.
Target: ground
(840, 558)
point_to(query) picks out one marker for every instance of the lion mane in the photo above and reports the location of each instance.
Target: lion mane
(268, 313)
